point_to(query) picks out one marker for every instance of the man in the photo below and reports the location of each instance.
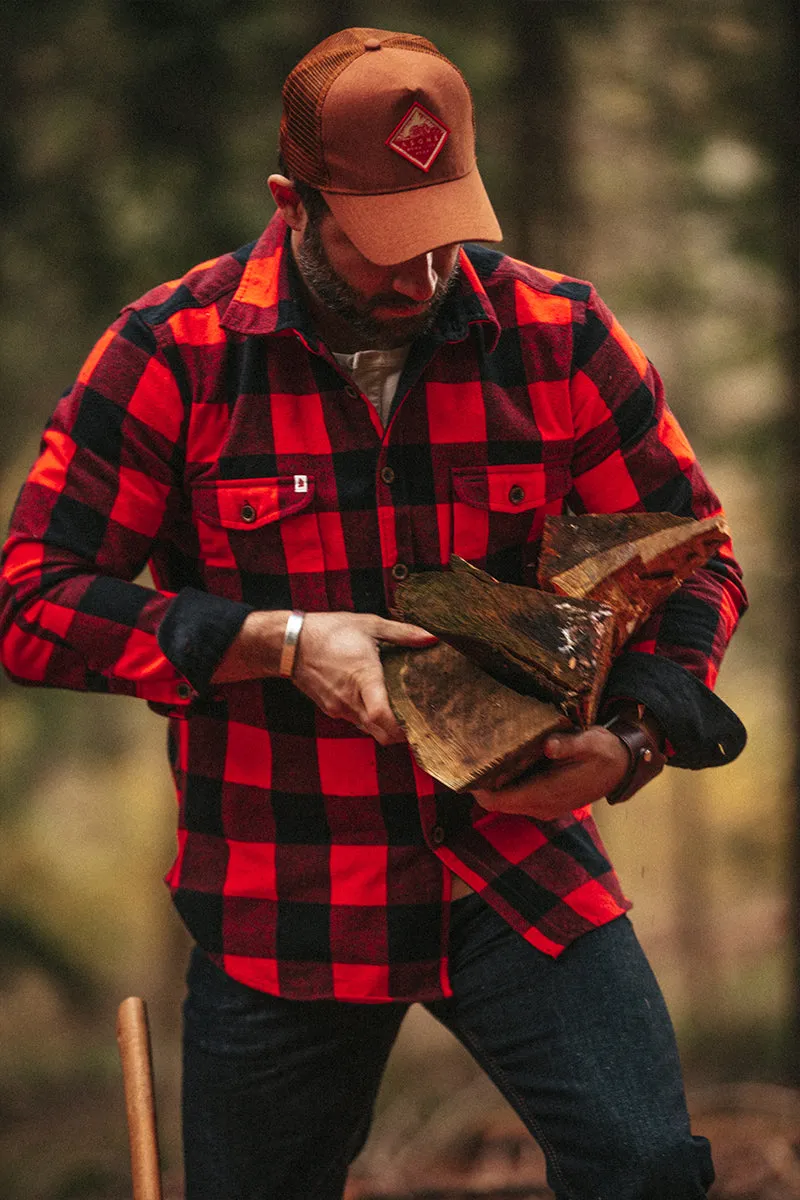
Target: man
(285, 434)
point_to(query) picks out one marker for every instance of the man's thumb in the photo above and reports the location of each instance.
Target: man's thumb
(403, 634)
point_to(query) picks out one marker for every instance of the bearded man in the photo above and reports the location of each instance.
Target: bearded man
(284, 435)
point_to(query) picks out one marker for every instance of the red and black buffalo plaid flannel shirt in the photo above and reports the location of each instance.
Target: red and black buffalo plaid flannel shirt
(210, 434)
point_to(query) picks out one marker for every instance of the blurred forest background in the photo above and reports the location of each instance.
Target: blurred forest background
(647, 146)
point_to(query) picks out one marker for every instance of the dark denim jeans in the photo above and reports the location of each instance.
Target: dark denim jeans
(278, 1094)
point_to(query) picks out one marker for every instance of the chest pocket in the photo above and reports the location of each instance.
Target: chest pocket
(264, 526)
(497, 510)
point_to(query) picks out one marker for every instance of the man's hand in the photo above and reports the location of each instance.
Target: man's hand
(338, 665)
(583, 767)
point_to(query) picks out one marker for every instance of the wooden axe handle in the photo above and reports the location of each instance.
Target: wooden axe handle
(133, 1038)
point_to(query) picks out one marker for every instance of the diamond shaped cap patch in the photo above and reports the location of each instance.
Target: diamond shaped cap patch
(419, 137)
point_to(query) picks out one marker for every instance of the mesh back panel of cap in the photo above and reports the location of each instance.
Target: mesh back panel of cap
(307, 86)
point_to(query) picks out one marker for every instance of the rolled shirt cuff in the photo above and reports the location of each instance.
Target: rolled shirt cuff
(700, 728)
(196, 632)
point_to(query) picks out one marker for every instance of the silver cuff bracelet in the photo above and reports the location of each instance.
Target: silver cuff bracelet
(289, 648)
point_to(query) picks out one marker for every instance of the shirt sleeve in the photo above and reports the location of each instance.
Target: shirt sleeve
(96, 499)
(632, 455)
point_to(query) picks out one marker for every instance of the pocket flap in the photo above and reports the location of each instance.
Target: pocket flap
(250, 503)
(509, 488)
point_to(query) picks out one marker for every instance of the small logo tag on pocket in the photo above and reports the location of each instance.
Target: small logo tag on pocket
(301, 483)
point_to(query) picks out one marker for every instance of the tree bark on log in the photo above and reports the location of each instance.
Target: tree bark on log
(537, 643)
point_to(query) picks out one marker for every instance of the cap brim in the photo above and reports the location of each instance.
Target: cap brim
(393, 228)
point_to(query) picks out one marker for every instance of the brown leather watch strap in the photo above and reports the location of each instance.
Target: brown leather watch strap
(647, 759)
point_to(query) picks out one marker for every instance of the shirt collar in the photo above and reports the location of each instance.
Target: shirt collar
(269, 300)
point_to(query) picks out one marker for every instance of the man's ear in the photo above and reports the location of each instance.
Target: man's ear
(288, 202)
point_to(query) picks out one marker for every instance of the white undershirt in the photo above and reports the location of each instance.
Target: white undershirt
(377, 373)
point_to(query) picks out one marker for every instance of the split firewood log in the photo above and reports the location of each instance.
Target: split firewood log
(465, 728)
(629, 561)
(537, 643)
(515, 663)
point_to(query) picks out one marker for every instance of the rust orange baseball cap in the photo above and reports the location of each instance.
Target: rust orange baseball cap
(382, 124)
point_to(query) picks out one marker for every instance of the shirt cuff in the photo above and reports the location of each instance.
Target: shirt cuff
(197, 630)
(700, 728)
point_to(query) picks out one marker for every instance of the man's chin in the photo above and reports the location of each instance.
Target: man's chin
(391, 332)
(399, 312)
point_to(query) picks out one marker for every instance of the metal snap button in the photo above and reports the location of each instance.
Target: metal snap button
(248, 513)
(517, 494)
(387, 475)
(351, 391)
(400, 571)
(184, 691)
(437, 835)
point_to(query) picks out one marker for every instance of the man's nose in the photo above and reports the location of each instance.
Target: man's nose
(416, 278)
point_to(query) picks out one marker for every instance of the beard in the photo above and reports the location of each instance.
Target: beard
(356, 310)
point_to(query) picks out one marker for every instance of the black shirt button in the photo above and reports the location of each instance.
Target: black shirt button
(351, 391)
(517, 494)
(399, 571)
(387, 475)
(248, 513)
(437, 835)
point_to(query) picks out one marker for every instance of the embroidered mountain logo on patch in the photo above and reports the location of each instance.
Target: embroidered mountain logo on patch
(419, 137)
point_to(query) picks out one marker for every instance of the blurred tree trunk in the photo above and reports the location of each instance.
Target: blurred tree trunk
(171, 112)
(789, 241)
(542, 198)
(332, 15)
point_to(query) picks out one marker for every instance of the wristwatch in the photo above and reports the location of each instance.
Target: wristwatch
(647, 757)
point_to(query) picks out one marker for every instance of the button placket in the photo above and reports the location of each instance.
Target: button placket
(394, 529)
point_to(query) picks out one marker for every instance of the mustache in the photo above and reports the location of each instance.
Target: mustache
(400, 313)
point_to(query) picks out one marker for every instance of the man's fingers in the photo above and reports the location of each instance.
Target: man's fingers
(558, 747)
(378, 718)
(339, 668)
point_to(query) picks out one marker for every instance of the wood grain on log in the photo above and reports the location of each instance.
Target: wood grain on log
(465, 728)
(630, 561)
